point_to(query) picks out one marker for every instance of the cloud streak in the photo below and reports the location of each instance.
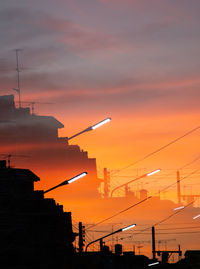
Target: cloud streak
(127, 58)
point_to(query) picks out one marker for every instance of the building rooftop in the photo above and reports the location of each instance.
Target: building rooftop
(16, 173)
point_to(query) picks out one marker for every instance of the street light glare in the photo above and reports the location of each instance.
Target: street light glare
(100, 123)
(154, 172)
(77, 177)
(67, 181)
(196, 216)
(128, 227)
(101, 238)
(177, 208)
(151, 264)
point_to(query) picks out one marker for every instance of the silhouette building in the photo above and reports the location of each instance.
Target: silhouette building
(35, 232)
(35, 138)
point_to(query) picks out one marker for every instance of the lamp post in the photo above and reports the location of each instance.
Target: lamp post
(90, 128)
(101, 238)
(197, 216)
(125, 184)
(66, 182)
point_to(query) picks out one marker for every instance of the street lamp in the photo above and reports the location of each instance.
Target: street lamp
(154, 263)
(152, 173)
(101, 238)
(125, 184)
(197, 216)
(178, 208)
(93, 127)
(66, 182)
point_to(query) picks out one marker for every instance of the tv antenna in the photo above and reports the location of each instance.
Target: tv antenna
(18, 89)
(8, 157)
(32, 105)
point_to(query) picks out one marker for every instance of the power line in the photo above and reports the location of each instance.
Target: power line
(163, 220)
(118, 213)
(169, 174)
(158, 150)
(196, 159)
(162, 233)
(185, 232)
(165, 188)
(140, 202)
(166, 229)
(179, 228)
(173, 214)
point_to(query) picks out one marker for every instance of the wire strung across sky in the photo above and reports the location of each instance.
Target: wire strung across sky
(185, 232)
(194, 172)
(196, 159)
(158, 150)
(166, 229)
(182, 167)
(173, 214)
(142, 201)
(170, 174)
(165, 188)
(120, 212)
(161, 221)
(169, 186)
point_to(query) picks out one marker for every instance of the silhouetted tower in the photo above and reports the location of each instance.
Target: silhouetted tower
(106, 182)
(178, 187)
(81, 241)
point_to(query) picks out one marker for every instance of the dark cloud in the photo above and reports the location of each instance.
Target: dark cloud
(138, 61)
(26, 28)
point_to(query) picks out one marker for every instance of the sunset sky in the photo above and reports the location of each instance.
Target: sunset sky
(136, 61)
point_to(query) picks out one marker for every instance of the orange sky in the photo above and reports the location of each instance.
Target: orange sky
(134, 61)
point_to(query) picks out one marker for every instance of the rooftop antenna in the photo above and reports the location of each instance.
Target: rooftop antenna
(8, 156)
(18, 90)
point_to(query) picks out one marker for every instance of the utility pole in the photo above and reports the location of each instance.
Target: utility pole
(164, 253)
(106, 182)
(81, 241)
(153, 243)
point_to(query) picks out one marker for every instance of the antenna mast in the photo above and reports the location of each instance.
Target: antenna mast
(18, 80)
